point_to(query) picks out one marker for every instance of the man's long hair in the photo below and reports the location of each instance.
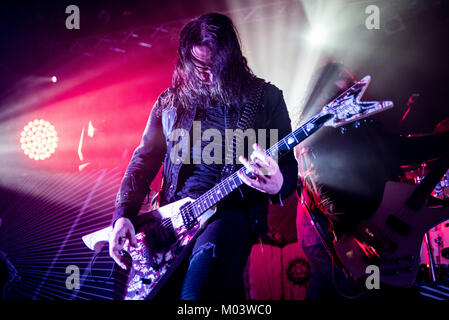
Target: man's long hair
(231, 74)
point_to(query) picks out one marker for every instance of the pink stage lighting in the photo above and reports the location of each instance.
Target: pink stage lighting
(39, 139)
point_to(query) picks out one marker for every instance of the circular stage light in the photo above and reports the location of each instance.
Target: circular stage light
(39, 139)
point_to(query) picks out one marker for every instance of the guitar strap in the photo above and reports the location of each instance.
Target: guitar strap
(245, 121)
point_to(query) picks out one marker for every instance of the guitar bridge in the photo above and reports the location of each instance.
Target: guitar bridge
(188, 216)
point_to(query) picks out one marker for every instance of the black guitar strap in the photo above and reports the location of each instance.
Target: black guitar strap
(245, 121)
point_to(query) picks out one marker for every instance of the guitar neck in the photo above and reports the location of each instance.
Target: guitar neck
(283, 146)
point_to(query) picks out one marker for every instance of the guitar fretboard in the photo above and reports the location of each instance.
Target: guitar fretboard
(231, 183)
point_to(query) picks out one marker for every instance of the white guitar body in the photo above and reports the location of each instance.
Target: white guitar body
(391, 239)
(150, 264)
(96, 240)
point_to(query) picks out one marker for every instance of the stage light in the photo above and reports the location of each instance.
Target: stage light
(39, 139)
(317, 37)
(54, 79)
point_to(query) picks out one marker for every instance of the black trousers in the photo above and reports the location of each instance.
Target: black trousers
(218, 258)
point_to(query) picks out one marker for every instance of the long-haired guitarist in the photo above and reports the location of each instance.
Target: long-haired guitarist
(210, 88)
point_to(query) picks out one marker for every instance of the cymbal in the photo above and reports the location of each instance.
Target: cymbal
(418, 135)
(426, 164)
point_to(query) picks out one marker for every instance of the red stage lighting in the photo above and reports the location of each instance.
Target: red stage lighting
(39, 139)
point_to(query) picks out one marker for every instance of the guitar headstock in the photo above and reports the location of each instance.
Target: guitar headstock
(347, 107)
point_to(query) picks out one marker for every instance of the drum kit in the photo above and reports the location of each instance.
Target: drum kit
(435, 245)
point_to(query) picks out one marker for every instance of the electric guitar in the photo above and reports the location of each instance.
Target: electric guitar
(163, 235)
(391, 238)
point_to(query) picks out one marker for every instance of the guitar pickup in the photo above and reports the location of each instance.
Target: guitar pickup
(398, 225)
(188, 216)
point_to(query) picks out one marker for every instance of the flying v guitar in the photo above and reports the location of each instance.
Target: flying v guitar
(391, 238)
(163, 234)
